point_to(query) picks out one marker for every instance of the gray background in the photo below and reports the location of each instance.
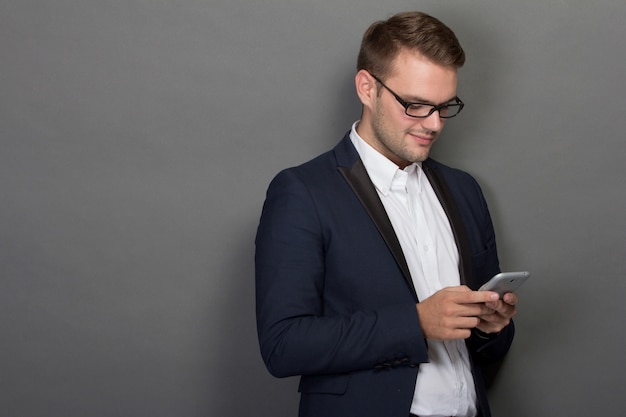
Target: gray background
(138, 138)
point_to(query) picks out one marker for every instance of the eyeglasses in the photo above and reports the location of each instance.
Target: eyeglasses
(423, 110)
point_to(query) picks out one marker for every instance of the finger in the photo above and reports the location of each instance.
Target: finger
(466, 322)
(504, 312)
(488, 314)
(458, 288)
(510, 298)
(489, 311)
(499, 306)
(493, 323)
(472, 297)
(494, 305)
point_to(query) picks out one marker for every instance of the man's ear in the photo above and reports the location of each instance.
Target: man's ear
(365, 87)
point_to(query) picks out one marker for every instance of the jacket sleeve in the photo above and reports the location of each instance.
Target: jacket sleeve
(298, 333)
(485, 264)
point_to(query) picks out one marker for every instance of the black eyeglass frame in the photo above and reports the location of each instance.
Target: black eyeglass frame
(438, 108)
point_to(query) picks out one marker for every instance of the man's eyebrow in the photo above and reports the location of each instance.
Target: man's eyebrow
(421, 100)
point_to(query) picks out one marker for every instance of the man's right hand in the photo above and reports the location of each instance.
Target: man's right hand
(451, 313)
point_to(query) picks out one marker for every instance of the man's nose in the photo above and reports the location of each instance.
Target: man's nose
(433, 122)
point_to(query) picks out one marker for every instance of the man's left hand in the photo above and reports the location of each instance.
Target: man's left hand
(503, 311)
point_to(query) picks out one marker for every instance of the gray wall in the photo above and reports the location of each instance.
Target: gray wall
(138, 138)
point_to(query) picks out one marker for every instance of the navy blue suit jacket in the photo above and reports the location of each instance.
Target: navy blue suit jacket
(335, 300)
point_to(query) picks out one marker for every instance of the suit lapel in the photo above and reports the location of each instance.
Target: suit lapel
(354, 172)
(454, 216)
(359, 181)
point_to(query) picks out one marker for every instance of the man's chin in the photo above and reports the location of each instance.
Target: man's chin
(421, 156)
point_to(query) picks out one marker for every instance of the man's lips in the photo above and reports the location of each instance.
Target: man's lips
(422, 138)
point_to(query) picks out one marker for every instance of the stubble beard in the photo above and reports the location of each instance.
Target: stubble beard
(397, 145)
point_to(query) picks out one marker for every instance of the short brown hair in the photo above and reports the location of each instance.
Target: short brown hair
(415, 31)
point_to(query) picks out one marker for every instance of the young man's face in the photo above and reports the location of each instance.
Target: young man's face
(386, 127)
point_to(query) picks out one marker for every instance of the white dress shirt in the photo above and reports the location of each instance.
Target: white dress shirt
(445, 386)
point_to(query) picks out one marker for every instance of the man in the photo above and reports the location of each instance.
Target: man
(369, 256)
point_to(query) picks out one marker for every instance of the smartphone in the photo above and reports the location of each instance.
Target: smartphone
(505, 282)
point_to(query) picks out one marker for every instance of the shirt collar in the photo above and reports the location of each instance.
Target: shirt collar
(381, 170)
